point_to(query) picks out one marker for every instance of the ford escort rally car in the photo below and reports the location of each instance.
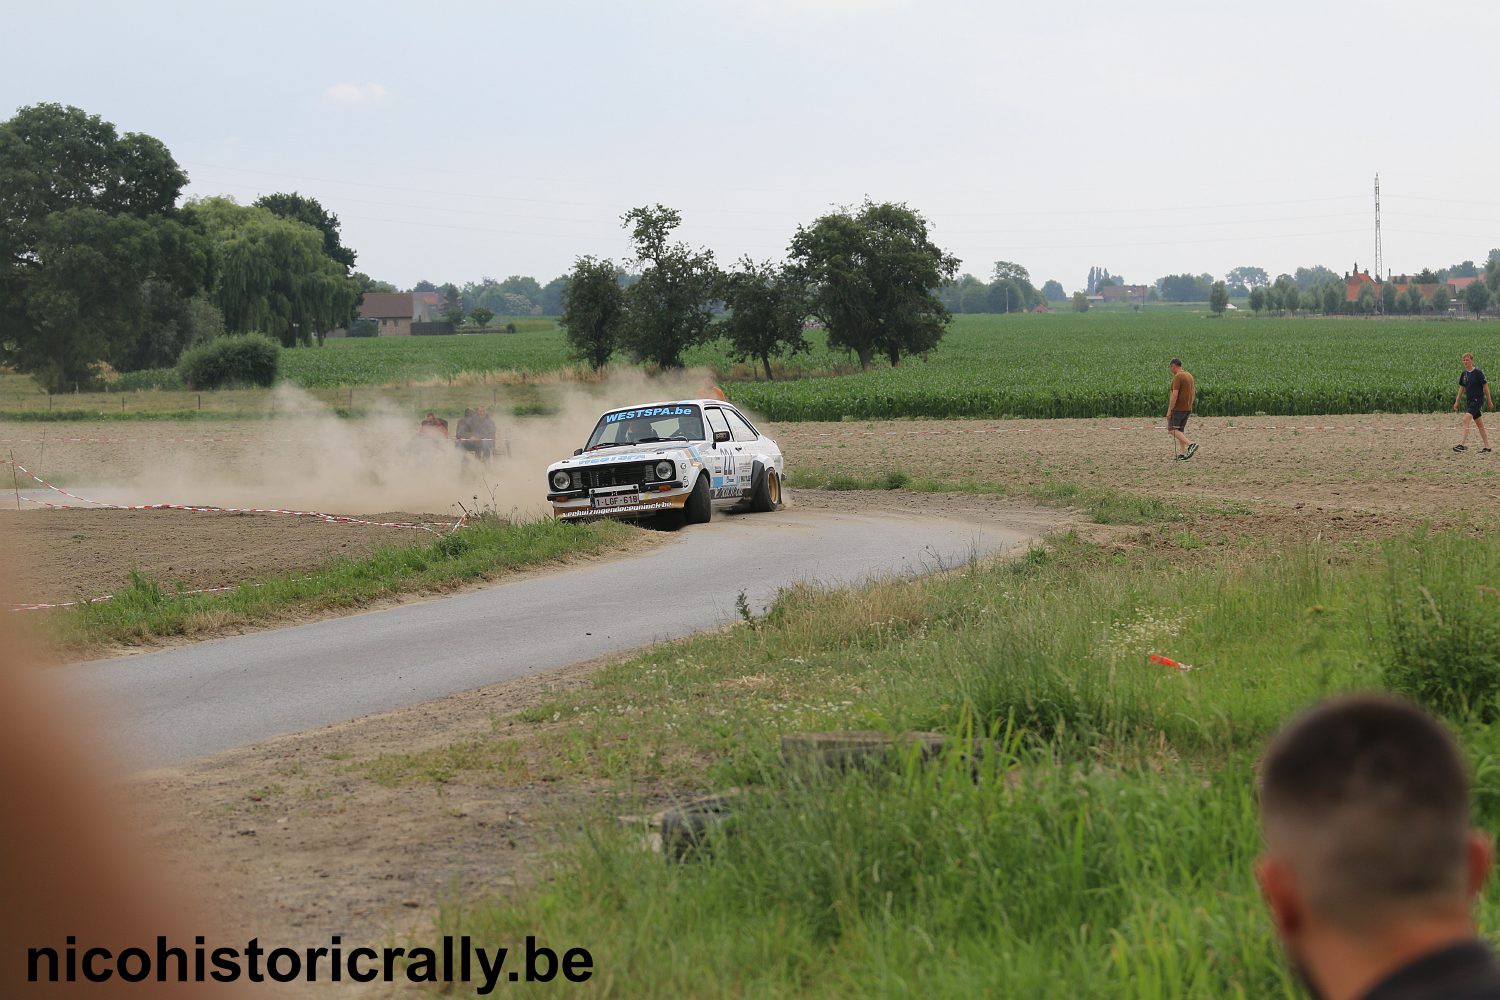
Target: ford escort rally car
(678, 460)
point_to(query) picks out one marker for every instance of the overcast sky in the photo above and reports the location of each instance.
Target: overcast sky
(457, 140)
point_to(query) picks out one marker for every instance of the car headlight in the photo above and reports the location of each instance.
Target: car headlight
(664, 470)
(561, 480)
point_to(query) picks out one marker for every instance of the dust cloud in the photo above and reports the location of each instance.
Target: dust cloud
(306, 457)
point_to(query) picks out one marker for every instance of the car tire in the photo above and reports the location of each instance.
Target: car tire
(765, 496)
(699, 508)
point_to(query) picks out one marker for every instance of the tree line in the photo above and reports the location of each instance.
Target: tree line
(99, 263)
(867, 274)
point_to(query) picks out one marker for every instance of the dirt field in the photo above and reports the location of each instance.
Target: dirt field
(1397, 466)
(63, 555)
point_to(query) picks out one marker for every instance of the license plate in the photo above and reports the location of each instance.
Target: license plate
(617, 500)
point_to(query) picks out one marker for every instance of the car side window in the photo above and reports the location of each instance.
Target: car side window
(715, 417)
(741, 430)
(748, 424)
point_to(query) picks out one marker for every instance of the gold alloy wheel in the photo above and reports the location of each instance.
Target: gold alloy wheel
(773, 487)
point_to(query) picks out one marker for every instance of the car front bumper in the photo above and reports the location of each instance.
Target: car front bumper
(653, 500)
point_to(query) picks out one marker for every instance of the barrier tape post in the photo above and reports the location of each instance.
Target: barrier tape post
(15, 479)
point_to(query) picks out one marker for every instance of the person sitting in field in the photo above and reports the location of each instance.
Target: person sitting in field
(433, 426)
(483, 430)
(1371, 869)
(465, 427)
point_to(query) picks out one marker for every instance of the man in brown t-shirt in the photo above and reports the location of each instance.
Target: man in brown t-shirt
(1179, 408)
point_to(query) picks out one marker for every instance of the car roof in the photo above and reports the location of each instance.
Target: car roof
(670, 402)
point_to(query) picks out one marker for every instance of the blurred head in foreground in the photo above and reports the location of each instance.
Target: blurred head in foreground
(71, 865)
(1371, 868)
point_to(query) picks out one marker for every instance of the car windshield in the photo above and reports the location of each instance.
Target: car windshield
(674, 422)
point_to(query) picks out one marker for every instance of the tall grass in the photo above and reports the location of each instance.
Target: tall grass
(1101, 846)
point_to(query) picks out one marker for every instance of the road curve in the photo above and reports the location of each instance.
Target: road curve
(164, 708)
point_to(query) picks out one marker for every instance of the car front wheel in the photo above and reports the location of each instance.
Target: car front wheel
(699, 508)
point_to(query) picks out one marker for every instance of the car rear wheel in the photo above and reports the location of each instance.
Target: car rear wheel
(699, 508)
(767, 494)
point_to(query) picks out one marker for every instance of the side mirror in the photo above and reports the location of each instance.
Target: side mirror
(577, 452)
(720, 436)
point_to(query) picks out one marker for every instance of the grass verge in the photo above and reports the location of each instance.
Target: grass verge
(148, 609)
(1103, 847)
(1103, 505)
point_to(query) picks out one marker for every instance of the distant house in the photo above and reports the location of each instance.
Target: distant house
(393, 313)
(1354, 282)
(1123, 293)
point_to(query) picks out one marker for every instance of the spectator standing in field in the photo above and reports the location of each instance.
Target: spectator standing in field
(1371, 869)
(1474, 390)
(1180, 407)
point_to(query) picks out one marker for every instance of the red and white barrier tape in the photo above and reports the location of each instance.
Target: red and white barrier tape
(208, 509)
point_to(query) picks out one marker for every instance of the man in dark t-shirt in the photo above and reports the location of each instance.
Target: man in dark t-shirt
(1372, 868)
(1474, 393)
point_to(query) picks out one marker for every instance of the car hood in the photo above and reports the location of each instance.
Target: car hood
(618, 455)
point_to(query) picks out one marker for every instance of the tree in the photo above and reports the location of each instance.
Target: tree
(1291, 299)
(274, 277)
(1365, 304)
(1052, 291)
(1185, 287)
(1257, 299)
(453, 305)
(301, 208)
(1440, 299)
(1308, 278)
(1477, 297)
(1080, 302)
(1409, 302)
(365, 283)
(593, 306)
(1247, 278)
(1218, 298)
(481, 316)
(88, 218)
(1333, 298)
(1466, 269)
(424, 286)
(767, 306)
(174, 323)
(873, 271)
(1007, 296)
(552, 296)
(1388, 299)
(671, 308)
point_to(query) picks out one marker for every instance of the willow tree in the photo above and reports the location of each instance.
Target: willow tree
(273, 274)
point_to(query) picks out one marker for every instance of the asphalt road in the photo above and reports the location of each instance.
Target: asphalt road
(168, 707)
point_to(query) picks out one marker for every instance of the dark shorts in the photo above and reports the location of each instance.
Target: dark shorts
(1476, 407)
(1178, 420)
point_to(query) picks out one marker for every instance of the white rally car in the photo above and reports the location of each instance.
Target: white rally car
(679, 459)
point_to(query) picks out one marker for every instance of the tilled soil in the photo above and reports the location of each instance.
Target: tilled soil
(65, 555)
(1392, 466)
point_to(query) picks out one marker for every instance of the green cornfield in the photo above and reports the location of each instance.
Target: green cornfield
(1115, 365)
(390, 360)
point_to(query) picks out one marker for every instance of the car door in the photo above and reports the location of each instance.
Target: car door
(746, 449)
(722, 466)
(765, 448)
